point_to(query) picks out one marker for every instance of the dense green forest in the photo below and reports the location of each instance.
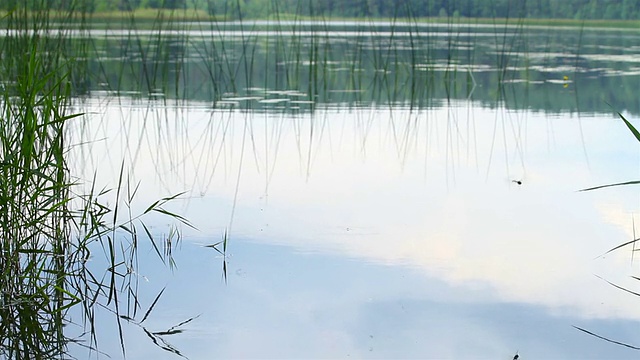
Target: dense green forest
(542, 9)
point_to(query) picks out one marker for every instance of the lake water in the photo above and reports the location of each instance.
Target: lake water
(388, 191)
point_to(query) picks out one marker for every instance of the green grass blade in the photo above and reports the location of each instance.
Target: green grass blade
(153, 243)
(606, 339)
(153, 304)
(621, 246)
(634, 131)
(620, 287)
(635, 182)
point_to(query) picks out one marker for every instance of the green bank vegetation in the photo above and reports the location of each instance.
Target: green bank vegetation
(144, 18)
(56, 229)
(593, 13)
(535, 9)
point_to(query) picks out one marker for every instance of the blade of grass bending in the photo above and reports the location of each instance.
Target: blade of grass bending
(633, 250)
(620, 246)
(619, 287)
(164, 346)
(155, 247)
(215, 247)
(183, 323)
(636, 134)
(135, 191)
(120, 331)
(76, 300)
(152, 206)
(136, 304)
(175, 216)
(605, 339)
(152, 306)
(634, 131)
(118, 189)
(163, 201)
(168, 332)
(126, 228)
(224, 270)
(610, 185)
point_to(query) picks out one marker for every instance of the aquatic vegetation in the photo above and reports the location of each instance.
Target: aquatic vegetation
(636, 134)
(53, 225)
(632, 242)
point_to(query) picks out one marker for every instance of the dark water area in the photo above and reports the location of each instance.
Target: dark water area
(252, 65)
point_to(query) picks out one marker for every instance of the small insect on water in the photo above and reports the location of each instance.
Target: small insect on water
(519, 182)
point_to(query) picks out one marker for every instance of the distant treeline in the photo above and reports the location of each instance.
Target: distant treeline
(541, 9)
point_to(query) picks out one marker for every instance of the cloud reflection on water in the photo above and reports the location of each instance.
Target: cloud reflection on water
(429, 192)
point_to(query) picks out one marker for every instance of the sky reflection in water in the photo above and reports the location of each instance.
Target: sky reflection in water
(377, 233)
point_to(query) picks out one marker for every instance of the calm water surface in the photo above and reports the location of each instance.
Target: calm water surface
(379, 225)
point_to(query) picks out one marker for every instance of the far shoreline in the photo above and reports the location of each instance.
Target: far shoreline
(151, 17)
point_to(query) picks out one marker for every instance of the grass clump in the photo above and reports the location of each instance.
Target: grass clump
(49, 226)
(35, 217)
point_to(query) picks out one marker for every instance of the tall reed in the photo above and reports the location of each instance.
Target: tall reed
(49, 226)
